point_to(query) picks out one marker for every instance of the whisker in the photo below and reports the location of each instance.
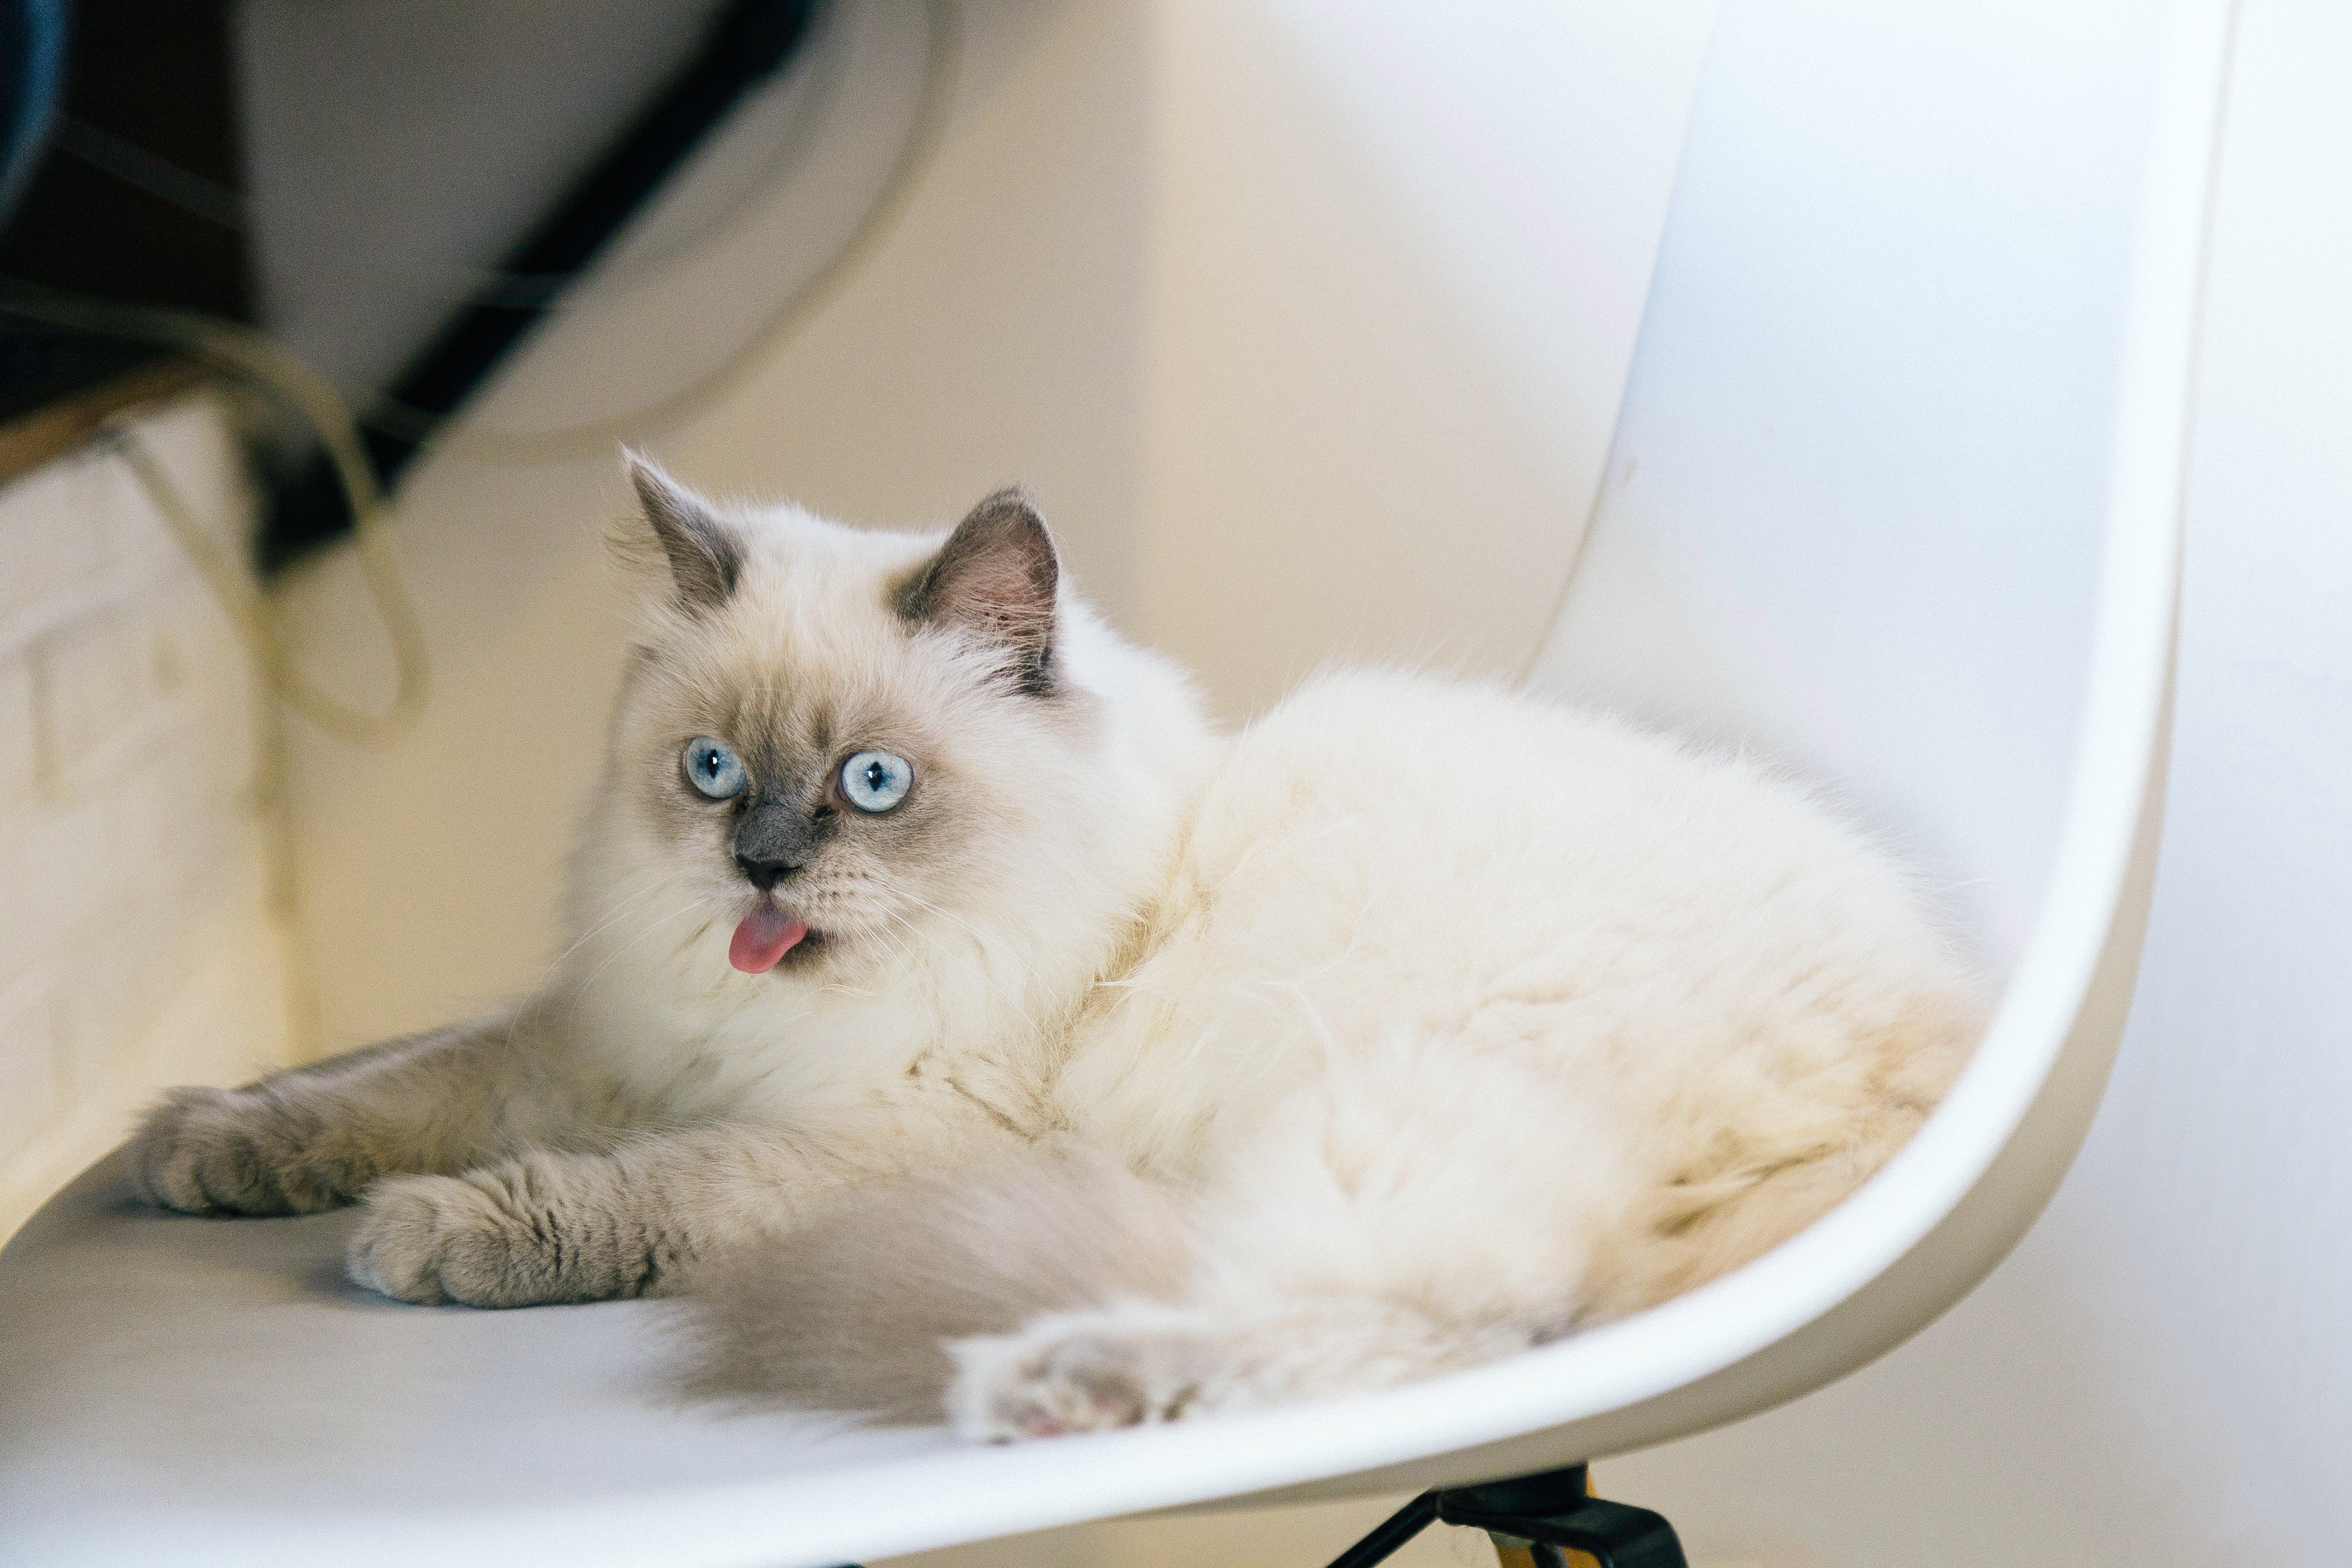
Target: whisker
(923, 903)
(619, 910)
(978, 968)
(547, 976)
(696, 902)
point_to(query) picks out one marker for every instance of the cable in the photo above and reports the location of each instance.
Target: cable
(175, 185)
(543, 290)
(249, 612)
(167, 182)
(596, 437)
(121, 159)
(260, 360)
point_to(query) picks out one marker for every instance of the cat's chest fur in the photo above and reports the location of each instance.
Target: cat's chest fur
(937, 1040)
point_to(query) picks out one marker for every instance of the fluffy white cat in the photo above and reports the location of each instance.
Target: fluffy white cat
(975, 1032)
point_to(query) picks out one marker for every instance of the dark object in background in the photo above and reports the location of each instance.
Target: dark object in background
(140, 198)
(135, 194)
(32, 72)
(746, 45)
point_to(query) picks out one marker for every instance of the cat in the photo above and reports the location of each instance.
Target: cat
(965, 1027)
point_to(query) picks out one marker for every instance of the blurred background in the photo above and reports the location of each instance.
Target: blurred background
(1319, 330)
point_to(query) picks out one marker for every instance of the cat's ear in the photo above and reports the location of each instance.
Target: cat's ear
(681, 534)
(994, 580)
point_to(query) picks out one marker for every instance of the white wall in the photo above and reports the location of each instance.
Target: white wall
(142, 909)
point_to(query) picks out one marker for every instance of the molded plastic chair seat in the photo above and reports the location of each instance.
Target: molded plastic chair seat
(195, 1391)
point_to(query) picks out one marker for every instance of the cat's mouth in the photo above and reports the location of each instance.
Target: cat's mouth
(764, 936)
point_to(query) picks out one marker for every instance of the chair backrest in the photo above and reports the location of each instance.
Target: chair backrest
(1896, 498)
(1922, 543)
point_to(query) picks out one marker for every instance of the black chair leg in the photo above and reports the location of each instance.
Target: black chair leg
(1542, 1516)
(1390, 1534)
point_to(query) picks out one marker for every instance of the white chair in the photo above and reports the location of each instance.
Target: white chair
(189, 1391)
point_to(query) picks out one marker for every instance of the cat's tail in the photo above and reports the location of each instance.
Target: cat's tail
(853, 1310)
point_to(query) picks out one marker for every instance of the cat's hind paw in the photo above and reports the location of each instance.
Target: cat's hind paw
(237, 1150)
(1079, 1372)
(1143, 1363)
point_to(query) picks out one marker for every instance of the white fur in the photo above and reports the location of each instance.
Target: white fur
(1492, 1019)
(1453, 1019)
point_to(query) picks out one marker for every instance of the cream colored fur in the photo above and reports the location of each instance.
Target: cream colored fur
(1439, 1021)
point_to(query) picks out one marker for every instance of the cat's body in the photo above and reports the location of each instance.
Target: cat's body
(1420, 1022)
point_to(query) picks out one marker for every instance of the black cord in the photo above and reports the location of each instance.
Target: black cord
(748, 43)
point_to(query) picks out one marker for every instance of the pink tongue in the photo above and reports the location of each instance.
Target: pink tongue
(763, 939)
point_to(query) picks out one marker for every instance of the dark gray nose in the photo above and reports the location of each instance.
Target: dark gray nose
(772, 841)
(765, 874)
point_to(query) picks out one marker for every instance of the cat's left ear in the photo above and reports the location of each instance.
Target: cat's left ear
(701, 553)
(994, 580)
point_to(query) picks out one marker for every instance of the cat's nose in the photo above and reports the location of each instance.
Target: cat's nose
(775, 839)
(765, 874)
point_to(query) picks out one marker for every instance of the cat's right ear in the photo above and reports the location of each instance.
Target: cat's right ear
(995, 579)
(681, 536)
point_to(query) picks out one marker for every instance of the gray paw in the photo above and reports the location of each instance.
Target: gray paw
(445, 1238)
(1078, 1373)
(234, 1151)
(508, 1236)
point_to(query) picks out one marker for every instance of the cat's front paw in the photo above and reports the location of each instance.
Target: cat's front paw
(526, 1233)
(1087, 1372)
(437, 1240)
(237, 1151)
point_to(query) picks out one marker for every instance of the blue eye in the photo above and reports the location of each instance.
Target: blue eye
(715, 769)
(876, 781)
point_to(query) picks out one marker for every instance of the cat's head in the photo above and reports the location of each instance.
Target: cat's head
(832, 741)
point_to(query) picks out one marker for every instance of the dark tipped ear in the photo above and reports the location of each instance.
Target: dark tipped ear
(994, 579)
(704, 556)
